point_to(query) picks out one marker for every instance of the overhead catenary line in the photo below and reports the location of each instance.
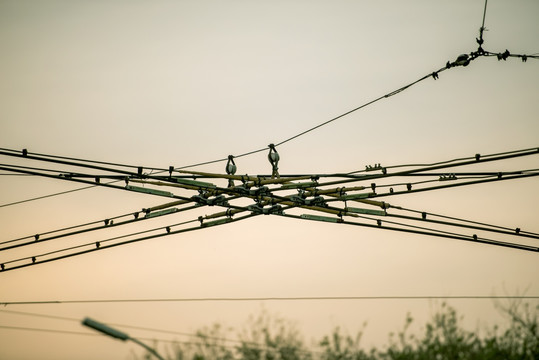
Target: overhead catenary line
(25, 152)
(410, 190)
(69, 160)
(482, 158)
(106, 224)
(436, 166)
(201, 336)
(482, 28)
(312, 189)
(426, 216)
(272, 298)
(201, 340)
(71, 332)
(434, 233)
(45, 196)
(97, 245)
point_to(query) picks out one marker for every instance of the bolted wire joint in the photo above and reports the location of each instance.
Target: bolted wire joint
(503, 56)
(273, 157)
(230, 169)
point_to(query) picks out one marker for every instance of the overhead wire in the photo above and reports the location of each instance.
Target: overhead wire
(108, 223)
(201, 342)
(70, 160)
(96, 245)
(199, 335)
(64, 159)
(270, 298)
(430, 232)
(511, 232)
(411, 190)
(276, 199)
(428, 214)
(25, 151)
(45, 196)
(434, 75)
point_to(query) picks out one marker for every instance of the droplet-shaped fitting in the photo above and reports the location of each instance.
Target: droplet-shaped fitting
(273, 158)
(463, 60)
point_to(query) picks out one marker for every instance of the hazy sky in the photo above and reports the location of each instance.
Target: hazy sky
(181, 82)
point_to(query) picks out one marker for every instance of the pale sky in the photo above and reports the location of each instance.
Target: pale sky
(182, 82)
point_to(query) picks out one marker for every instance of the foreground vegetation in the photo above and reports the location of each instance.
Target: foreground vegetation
(270, 338)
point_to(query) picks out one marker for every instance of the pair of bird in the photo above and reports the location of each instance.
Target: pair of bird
(273, 158)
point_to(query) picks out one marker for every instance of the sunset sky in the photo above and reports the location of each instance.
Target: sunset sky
(161, 83)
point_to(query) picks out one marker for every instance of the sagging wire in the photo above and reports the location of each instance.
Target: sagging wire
(266, 202)
(427, 217)
(477, 157)
(107, 224)
(436, 233)
(362, 213)
(26, 153)
(411, 189)
(191, 335)
(98, 245)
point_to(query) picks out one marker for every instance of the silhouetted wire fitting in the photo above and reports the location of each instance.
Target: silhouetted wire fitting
(230, 169)
(503, 56)
(462, 60)
(273, 158)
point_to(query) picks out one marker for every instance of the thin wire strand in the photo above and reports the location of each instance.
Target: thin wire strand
(99, 248)
(467, 221)
(46, 196)
(270, 298)
(173, 332)
(482, 28)
(434, 233)
(79, 159)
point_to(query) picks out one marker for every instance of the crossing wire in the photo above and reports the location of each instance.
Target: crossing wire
(96, 245)
(443, 164)
(433, 166)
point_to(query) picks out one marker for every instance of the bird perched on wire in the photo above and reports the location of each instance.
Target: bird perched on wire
(230, 169)
(273, 158)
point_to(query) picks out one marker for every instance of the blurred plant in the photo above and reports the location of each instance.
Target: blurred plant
(269, 337)
(343, 347)
(280, 339)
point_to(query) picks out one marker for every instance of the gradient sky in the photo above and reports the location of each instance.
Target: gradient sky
(181, 82)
